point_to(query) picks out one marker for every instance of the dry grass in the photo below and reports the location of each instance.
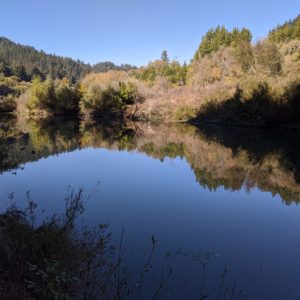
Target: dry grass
(113, 78)
(219, 66)
(182, 103)
(104, 80)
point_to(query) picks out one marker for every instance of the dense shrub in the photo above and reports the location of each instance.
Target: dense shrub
(97, 101)
(41, 95)
(222, 65)
(243, 53)
(10, 89)
(107, 101)
(104, 80)
(174, 72)
(67, 98)
(268, 58)
(56, 98)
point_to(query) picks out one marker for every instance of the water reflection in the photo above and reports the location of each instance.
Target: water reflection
(231, 158)
(252, 233)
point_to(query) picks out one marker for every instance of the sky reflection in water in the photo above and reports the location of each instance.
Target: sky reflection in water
(191, 189)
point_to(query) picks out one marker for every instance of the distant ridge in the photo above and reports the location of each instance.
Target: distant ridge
(26, 61)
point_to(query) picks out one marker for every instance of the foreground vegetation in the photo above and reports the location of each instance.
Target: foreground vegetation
(53, 257)
(229, 81)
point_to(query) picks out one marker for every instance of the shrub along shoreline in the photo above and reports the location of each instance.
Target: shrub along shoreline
(229, 81)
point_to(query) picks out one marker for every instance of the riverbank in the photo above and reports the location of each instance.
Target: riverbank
(230, 81)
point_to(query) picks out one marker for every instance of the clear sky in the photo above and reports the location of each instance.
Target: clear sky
(133, 31)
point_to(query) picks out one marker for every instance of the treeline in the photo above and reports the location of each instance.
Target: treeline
(286, 32)
(219, 37)
(26, 63)
(108, 66)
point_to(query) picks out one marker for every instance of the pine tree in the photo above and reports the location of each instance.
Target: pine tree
(164, 56)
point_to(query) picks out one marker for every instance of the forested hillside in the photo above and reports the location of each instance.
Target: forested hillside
(286, 32)
(26, 62)
(108, 66)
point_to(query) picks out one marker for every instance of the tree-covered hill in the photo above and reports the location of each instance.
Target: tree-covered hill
(108, 66)
(286, 32)
(26, 62)
(220, 37)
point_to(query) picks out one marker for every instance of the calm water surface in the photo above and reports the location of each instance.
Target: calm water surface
(226, 197)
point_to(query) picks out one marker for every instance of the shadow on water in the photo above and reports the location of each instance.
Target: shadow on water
(231, 158)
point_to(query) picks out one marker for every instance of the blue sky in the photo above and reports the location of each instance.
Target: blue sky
(133, 31)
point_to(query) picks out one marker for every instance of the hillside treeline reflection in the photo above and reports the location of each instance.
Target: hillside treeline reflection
(230, 158)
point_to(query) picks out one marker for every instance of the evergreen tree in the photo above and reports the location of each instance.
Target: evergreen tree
(164, 56)
(286, 32)
(38, 63)
(219, 37)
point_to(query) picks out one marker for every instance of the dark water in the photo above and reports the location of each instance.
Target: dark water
(210, 197)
